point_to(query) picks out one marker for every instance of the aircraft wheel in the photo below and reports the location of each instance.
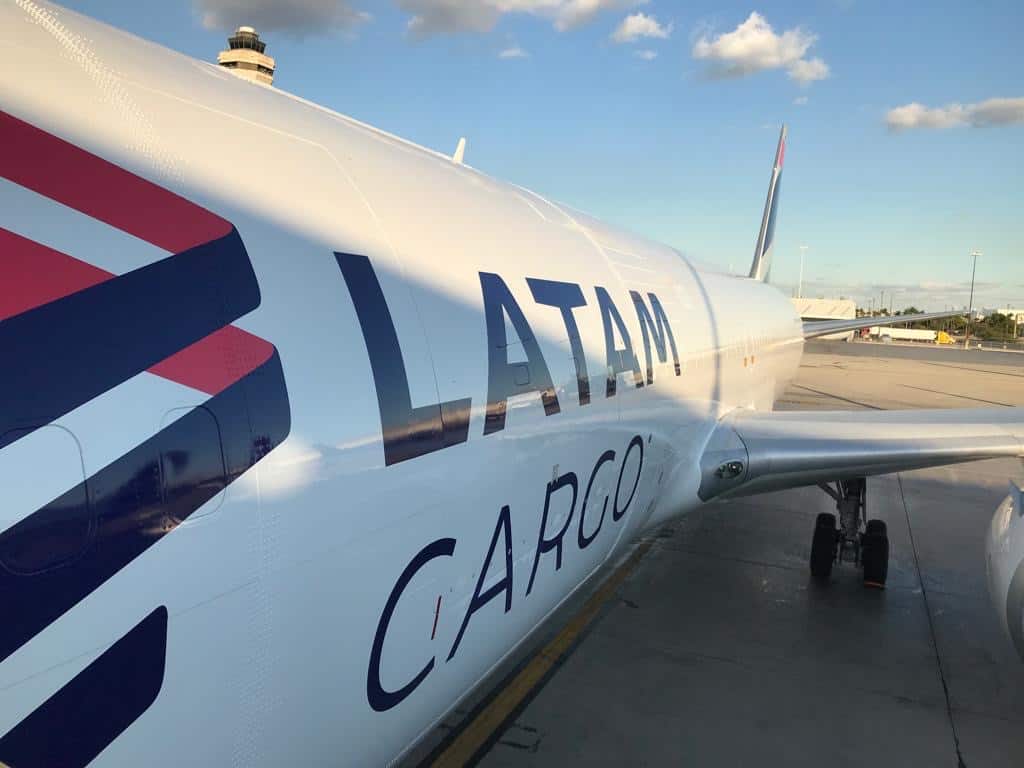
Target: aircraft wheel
(823, 547)
(874, 554)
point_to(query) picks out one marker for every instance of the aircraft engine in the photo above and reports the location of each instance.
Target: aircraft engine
(1005, 564)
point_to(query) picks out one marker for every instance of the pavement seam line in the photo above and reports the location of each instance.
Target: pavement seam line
(493, 719)
(931, 626)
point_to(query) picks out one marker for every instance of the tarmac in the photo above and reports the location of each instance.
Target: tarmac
(712, 646)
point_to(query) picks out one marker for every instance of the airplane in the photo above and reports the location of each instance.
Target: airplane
(306, 427)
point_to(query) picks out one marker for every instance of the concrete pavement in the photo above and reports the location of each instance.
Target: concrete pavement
(720, 650)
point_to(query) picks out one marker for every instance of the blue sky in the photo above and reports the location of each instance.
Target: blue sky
(679, 146)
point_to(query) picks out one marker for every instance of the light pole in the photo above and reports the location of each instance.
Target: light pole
(970, 309)
(800, 285)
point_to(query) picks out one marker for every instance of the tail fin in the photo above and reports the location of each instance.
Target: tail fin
(762, 266)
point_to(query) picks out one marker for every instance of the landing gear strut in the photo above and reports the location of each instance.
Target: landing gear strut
(855, 539)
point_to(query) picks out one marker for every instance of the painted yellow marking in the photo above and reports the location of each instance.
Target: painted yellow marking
(490, 719)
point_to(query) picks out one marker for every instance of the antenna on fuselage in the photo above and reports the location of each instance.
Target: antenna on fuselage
(460, 152)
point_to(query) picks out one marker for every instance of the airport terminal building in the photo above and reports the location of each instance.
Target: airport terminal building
(827, 309)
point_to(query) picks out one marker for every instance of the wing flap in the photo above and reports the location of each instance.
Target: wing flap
(751, 452)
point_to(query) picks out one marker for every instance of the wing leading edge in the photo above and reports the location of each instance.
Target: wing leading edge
(751, 452)
(815, 328)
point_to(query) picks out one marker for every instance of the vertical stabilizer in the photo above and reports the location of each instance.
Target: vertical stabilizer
(762, 266)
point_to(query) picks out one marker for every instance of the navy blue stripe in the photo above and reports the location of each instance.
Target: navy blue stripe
(135, 501)
(63, 354)
(81, 719)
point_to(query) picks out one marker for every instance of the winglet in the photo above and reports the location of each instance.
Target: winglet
(460, 151)
(762, 266)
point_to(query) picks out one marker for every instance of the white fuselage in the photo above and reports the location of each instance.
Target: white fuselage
(292, 637)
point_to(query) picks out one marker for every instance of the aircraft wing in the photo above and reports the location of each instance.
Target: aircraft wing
(752, 452)
(815, 328)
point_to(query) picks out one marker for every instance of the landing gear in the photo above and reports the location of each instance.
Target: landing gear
(823, 547)
(853, 541)
(874, 554)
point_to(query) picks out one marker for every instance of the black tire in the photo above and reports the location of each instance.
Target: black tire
(823, 547)
(876, 527)
(874, 554)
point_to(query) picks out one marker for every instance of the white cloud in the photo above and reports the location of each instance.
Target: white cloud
(916, 115)
(438, 17)
(514, 52)
(754, 47)
(806, 71)
(638, 25)
(646, 55)
(999, 111)
(433, 17)
(574, 13)
(297, 17)
(800, 100)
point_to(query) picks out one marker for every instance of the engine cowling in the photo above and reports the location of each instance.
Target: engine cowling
(1005, 565)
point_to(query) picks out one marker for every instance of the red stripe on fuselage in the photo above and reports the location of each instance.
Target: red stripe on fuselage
(32, 274)
(216, 362)
(52, 167)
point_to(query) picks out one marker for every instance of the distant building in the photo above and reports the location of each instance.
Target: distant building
(827, 309)
(1016, 314)
(246, 57)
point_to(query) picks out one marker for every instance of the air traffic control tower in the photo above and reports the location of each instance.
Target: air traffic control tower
(245, 57)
